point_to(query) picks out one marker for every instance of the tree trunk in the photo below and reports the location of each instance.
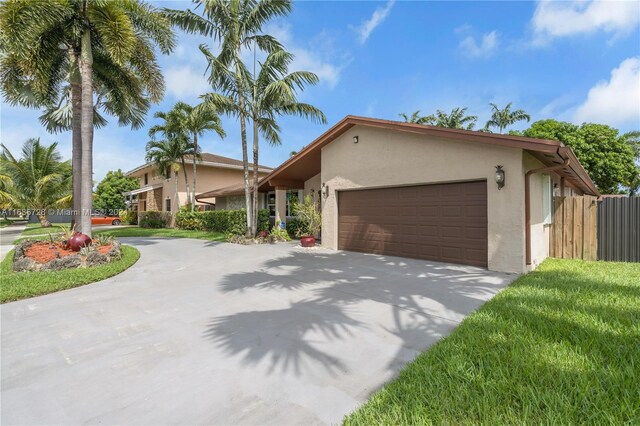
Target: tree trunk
(254, 109)
(195, 152)
(176, 200)
(86, 73)
(186, 182)
(255, 176)
(245, 167)
(245, 156)
(76, 137)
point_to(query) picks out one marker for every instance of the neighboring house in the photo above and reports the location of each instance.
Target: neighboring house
(426, 192)
(157, 191)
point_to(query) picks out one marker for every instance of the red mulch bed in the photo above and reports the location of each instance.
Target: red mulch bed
(44, 252)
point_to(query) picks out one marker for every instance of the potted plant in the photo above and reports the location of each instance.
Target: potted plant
(310, 221)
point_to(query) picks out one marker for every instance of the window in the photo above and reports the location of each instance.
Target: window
(271, 203)
(547, 199)
(291, 197)
(146, 178)
(167, 204)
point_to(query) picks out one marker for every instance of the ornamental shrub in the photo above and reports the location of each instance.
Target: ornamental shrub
(129, 217)
(154, 219)
(226, 221)
(189, 220)
(294, 227)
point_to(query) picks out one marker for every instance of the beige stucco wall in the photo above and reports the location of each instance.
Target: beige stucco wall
(208, 178)
(386, 158)
(540, 233)
(312, 187)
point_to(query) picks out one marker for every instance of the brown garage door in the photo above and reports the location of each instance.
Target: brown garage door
(443, 222)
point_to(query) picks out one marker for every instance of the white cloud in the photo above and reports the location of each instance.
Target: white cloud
(365, 29)
(561, 19)
(558, 108)
(321, 59)
(185, 82)
(616, 101)
(484, 49)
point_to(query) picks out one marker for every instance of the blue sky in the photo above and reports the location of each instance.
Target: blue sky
(573, 61)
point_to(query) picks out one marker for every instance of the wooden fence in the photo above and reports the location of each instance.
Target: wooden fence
(574, 228)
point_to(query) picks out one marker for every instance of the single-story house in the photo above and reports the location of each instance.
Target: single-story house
(402, 189)
(158, 191)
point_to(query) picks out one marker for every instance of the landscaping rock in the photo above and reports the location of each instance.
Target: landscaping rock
(96, 258)
(116, 251)
(21, 262)
(63, 263)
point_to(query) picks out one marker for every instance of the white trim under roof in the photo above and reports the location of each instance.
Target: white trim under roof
(204, 163)
(145, 188)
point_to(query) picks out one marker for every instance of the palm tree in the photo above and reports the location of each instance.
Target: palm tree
(273, 94)
(196, 121)
(456, 119)
(40, 180)
(165, 154)
(416, 118)
(7, 200)
(503, 118)
(174, 147)
(46, 44)
(235, 24)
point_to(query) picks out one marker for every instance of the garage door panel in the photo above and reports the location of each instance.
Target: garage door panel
(429, 251)
(428, 231)
(475, 233)
(446, 222)
(428, 211)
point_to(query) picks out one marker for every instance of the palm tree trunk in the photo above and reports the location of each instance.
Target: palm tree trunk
(195, 152)
(254, 204)
(76, 138)
(255, 177)
(245, 167)
(245, 155)
(186, 182)
(86, 73)
(176, 200)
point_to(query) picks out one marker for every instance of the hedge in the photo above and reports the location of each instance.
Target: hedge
(129, 217)
(226, 221)
(154, 219)
(294, 227)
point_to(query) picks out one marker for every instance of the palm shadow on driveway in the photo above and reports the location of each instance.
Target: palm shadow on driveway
(409, 303)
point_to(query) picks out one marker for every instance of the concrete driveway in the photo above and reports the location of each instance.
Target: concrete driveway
(208, 333)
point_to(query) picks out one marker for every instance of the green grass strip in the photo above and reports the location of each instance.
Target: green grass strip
(560, 345)
(162, 232)
(21, 285)
(138, 232)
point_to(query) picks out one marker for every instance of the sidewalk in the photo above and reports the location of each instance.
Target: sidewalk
(8, 235)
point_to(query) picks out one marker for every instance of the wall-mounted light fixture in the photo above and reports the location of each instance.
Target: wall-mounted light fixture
(500, 176)
(325, 190)
(355, 139)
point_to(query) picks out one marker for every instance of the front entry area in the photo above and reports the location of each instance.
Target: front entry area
(441, 222)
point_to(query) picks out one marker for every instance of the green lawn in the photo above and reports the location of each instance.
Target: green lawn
(163, 232)
(37, 229)
(135, 231)
(6, 222)
(21, 285)
(560, 345)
